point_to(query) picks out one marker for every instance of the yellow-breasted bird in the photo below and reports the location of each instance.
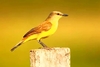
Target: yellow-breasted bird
(45, 29)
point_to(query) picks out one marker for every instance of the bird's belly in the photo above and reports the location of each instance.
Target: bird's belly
(44, 34)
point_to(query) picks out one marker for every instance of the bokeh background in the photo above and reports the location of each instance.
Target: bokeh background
(80, 31)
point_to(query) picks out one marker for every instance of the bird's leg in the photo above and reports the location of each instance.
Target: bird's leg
(40, 42)
(44, 46)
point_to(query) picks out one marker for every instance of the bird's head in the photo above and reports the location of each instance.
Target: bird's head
(56, 15)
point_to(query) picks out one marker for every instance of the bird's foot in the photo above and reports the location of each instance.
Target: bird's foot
(47, 48)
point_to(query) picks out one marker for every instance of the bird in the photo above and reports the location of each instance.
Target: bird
(42, 31)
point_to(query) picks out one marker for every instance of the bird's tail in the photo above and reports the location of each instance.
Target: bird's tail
(16, 45)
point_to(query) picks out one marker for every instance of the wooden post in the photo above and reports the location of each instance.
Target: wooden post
(54, 57)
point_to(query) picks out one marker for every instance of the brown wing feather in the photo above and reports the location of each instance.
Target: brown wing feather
(36, 30)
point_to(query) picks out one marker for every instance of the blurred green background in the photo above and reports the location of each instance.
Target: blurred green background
(80, 31)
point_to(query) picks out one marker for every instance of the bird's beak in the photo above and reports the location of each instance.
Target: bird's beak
(64, 15)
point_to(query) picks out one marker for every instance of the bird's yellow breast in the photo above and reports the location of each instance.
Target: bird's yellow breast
(49, 32)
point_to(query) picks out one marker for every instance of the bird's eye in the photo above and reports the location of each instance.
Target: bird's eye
(58, 14)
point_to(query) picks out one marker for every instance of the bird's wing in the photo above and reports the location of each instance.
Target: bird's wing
(36, 30)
